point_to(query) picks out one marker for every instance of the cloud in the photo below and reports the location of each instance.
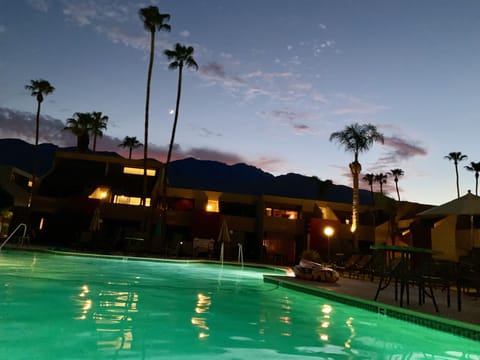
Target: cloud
(39, 5)
(355, 105)
(21, 125)
(185, 33)
(216, 72)
(18, 124)
(2, 29)
(402, 149)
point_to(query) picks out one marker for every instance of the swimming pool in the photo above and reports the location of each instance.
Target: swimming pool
(76, 307)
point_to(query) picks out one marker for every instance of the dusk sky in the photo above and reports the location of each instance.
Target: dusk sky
(275, 79)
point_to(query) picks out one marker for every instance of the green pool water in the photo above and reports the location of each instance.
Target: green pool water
(76, 307)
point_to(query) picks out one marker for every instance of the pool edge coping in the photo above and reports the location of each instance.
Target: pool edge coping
(454, 327)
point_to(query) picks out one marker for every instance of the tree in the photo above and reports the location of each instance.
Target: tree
(356, 138)
(152, 21)
(396, 173)
(475, 167)
(381, 178)
(80, 125)
(98, 124)
(456, 157)
(370, 179)
(39, 89)
(182, 56)
(130, 142)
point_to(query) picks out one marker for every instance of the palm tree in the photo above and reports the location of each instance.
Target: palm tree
(356, 138)
(152, 21)
(396, 173)
(370, 179)
(182, 56)
(475, 167)
(99, 123)
(39, 88)
(456, 157)
(80, 125)
(130, 142)
(381, 178)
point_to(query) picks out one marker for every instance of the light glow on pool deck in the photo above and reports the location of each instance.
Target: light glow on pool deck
(69, 307)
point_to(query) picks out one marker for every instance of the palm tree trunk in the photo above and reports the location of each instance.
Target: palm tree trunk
(458, 184)
(130, 153)
(476, 183)
(396, 187)
(147, 107)
(169, 156)
(94, 142)
(37, 123)
(355, 168)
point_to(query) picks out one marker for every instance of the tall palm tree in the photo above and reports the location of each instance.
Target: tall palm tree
(396, 173)
(181, 56)
(475, 167)
(99, 123)
(152, 21)
(130, 142)
(39, 89)
(356, 138)
(381, 178)
(456, 157)
(370, 179)
(80, 125)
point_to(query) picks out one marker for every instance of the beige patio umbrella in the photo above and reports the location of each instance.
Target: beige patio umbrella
(468, 204)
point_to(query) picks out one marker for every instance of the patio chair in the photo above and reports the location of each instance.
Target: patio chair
(362, 267)
(347, 264)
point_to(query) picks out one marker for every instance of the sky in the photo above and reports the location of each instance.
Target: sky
(276, 78)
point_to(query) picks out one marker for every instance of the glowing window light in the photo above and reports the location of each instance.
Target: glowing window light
(100, 193)
(212, 206)
(129, 200)
(138, 171)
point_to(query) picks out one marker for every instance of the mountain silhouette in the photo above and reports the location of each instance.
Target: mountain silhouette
(192, 173)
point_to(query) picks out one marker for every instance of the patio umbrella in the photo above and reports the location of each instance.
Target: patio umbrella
(223, 236)
(96, 220)
(468, 204)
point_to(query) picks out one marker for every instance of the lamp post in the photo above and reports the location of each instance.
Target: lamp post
(328, 231)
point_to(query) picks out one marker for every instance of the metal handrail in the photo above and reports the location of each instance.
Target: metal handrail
(13, 233)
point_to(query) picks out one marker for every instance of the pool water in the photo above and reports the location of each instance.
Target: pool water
(76, 307)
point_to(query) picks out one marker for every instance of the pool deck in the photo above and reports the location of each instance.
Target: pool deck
(359, 292)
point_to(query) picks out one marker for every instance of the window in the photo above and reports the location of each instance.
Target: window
(281, 213)
(101, 193)
(212, 206)
(138, 171)
(129, 200)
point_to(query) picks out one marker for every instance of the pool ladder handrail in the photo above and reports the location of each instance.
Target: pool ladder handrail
(13, 233)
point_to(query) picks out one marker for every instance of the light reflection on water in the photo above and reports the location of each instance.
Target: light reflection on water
(68, 307)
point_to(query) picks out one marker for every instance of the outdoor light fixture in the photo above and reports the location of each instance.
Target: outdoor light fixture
(328, 231)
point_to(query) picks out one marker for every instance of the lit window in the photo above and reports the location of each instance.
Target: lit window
(30, 183)
(138, 171)
(212, 206)
(101, 193)
(286, 214)
(128, 200)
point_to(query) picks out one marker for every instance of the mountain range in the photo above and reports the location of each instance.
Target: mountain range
(200, 174)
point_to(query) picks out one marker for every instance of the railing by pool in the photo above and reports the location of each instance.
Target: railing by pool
(14, 232)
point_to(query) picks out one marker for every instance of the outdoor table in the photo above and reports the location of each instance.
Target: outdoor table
(404, 263)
